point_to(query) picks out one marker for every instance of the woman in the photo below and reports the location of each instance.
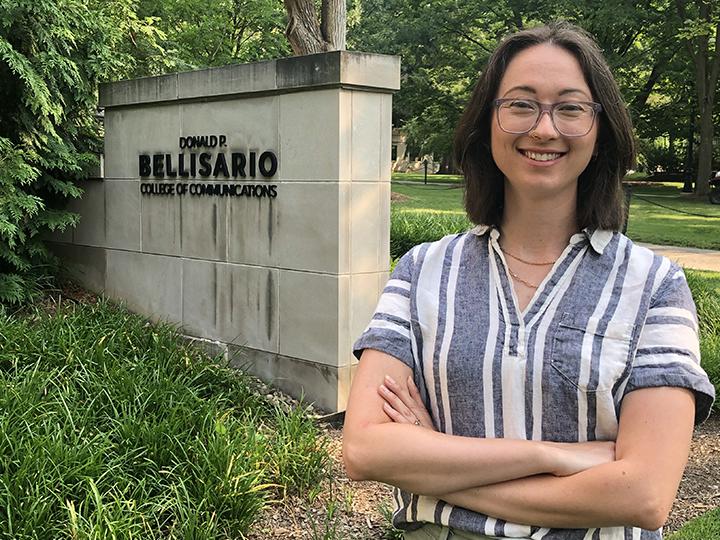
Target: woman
(538, 376)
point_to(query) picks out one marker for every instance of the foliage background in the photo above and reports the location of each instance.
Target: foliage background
(53, 54)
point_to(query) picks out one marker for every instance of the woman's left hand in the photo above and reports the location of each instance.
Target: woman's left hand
(404, 405)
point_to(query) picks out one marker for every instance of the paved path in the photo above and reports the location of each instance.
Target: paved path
(701, 259)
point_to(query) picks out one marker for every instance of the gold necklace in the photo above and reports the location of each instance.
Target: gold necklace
(527, 262)
(521, 280)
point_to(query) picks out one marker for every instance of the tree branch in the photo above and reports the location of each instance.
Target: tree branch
(303, 30)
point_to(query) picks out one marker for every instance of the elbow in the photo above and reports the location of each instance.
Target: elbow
(355, 460)
(653, 512)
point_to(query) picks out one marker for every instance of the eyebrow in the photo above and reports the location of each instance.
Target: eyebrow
(564, 92)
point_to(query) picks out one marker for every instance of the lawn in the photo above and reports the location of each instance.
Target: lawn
(705, 527)
(657, 225)
(648, 222)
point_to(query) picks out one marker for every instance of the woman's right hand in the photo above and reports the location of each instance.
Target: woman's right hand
(573, 458)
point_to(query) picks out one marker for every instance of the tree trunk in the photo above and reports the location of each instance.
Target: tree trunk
(688, 186)
(705, 151)
(309, 35)
(333, 24)
(707, 64)
(707, 76)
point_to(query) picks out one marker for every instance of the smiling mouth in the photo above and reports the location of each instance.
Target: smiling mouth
(542, 156)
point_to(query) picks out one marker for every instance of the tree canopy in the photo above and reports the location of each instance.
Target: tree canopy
(649, 44)
(53, 53)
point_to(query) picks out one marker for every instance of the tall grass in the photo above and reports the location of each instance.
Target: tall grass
(114, 428)
(409, 228)
(705, 287)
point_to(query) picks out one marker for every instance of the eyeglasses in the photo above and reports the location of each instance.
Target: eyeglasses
(570, 118)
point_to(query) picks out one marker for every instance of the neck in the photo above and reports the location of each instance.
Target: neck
(537, 228)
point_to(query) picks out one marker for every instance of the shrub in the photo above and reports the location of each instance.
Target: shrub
(409, 228)
(52, 55)
(705, 287)
(115, 428)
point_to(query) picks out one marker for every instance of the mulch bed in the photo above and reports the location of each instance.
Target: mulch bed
(700, 487)
(356, 506)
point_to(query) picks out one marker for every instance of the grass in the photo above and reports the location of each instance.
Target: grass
(115, 428)
(705, 527)
(648, 222)
(705, 287)
(654, 224)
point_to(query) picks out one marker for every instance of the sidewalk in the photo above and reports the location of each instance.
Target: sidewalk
(700, 259)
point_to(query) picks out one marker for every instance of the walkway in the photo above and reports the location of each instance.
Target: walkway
(700, 259)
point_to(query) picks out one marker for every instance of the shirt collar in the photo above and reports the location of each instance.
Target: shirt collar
(598, 238)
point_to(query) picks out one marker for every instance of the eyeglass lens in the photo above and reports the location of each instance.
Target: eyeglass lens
(570, 119)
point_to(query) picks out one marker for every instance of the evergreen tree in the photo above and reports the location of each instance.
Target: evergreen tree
(53, 53)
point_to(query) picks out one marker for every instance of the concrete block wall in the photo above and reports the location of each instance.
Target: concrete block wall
(287, 283)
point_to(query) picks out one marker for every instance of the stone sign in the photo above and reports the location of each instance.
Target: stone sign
(250, 205)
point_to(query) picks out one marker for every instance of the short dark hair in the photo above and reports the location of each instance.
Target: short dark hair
(600, 201)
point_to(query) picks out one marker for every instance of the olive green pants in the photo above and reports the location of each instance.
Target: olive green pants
(431, 531)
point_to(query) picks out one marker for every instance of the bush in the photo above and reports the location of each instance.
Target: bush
(409, 228)
(705, 287)
(52, 56)
(115, 428)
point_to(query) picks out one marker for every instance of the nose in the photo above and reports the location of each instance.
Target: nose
(544, 129)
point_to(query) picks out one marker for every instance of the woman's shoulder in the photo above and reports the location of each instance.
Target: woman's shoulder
(440, 250)
(642, 262)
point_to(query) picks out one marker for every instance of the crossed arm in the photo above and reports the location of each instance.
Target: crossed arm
(531, 482)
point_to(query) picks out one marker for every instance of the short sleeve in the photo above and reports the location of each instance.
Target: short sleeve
(389, 329)
(668, 352)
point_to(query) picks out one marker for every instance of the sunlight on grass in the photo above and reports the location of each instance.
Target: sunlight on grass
(705, 527)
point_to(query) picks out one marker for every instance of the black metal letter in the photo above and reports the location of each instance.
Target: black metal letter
(158, 165)
(221, 166)
(145, 169)
(168, 166)
(181, 166)
(238, 165)
(268, 173)
(205, 168)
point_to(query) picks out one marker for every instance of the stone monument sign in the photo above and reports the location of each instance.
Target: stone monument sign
(250, 205)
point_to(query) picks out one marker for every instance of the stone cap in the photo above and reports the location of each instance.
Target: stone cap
(338, 69)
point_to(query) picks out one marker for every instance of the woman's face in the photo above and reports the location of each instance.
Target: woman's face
(543, 163)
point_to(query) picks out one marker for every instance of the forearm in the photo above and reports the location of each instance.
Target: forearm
(426, 462)
(613, 494)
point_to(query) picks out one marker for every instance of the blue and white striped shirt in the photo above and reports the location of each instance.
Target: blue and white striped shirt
(609, 318)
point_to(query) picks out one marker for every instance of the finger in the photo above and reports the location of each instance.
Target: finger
(413, 390)
(394, 415)
(390, 397)
(400, 391)
(419, 409)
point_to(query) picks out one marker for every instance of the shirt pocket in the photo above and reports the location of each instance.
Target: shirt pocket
(589, 355)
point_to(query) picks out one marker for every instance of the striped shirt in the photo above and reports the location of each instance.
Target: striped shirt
(610, 317)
